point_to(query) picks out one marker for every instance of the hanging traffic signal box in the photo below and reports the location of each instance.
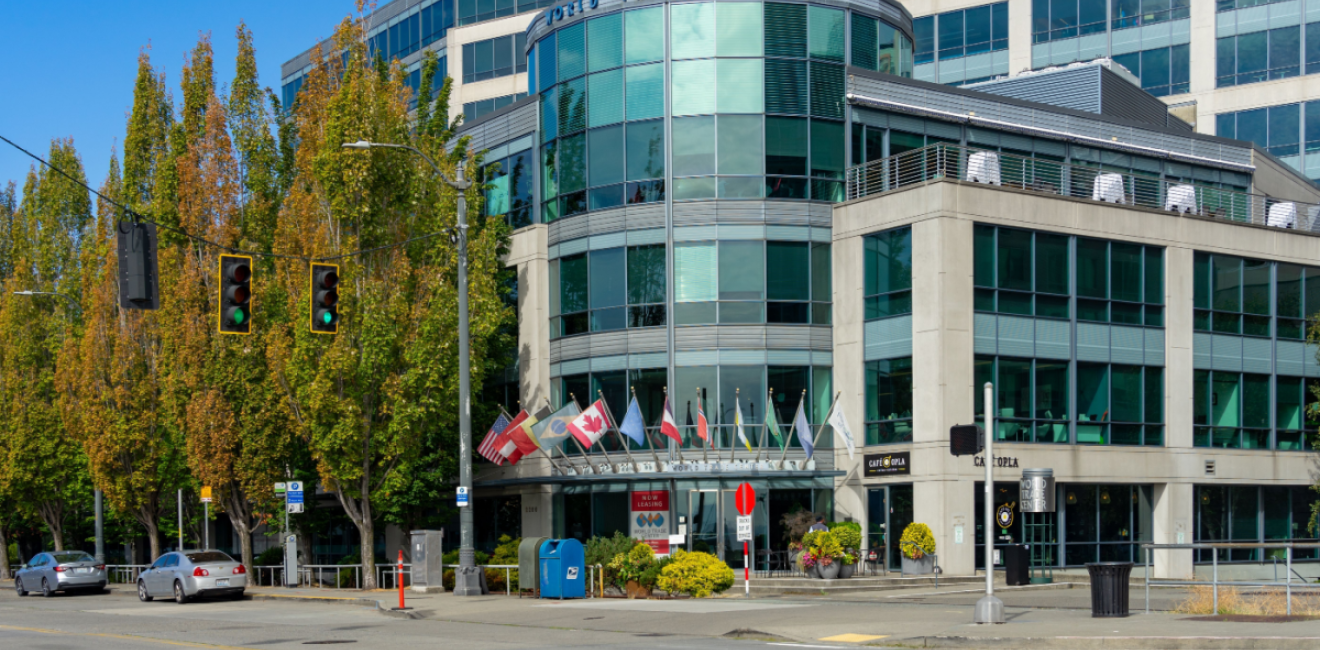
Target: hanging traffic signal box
(235, 313)
(325, 299)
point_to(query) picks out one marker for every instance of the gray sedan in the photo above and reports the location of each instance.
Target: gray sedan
(60, 571)
(186, 575)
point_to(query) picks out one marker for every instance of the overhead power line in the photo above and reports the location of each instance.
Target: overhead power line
(138, 217)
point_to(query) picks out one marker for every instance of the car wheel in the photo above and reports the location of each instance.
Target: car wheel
(179, 596)
(142, 592)
(18, 586)
(45, 589)
(237, 596)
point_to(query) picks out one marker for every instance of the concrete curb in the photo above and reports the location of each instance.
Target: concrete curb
(380, 607)
(1111, 642)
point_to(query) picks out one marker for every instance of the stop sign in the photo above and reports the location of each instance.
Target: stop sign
(745, 499)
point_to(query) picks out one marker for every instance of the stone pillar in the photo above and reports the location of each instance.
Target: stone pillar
(1173, 523)
(536, 511)
(1178, 336)
(527, 255)
(945, 505)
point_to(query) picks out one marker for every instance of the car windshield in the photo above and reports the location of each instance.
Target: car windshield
(208, 556)
(77, 556)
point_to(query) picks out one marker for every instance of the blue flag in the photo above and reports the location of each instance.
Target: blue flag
(633, 426)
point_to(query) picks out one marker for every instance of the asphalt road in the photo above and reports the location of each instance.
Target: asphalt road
(117, 621)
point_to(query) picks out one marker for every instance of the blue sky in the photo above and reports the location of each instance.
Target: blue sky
(69, 65)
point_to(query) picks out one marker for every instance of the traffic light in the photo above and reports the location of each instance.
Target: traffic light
(325, 298)
(965, 440)
(235, 314)
(137, 265)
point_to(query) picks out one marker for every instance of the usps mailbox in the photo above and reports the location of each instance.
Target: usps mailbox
(563, 569)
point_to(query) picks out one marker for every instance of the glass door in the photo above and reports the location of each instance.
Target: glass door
(704, 511)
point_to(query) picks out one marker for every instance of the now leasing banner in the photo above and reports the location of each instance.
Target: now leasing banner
(649, 520)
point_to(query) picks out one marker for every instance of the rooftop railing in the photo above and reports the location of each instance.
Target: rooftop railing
(1092, 182)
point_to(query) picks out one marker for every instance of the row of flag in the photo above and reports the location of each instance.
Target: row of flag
(510, 439)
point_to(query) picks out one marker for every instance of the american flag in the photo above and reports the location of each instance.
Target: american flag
(489, 449)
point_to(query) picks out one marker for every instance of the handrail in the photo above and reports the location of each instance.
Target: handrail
(1214, 582)
(1094, 182)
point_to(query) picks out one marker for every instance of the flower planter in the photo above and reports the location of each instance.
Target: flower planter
(634, 590)
(828, 572)
(847, 570)
(924, 566)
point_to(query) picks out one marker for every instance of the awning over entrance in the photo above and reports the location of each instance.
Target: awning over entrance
(660, 476)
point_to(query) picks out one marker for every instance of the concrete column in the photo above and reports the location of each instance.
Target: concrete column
(942, 383)
(536, 510)
(1202, 56)
(1173, 523)
(1019, 36)
(849, 339)
(1178, 336)
(527, 254)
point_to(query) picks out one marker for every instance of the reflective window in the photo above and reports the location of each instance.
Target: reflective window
(509, 188)
(1162, 71)
(743, 275)
(1259, 56)
(1232, 296)
(493, 58)
(1277, 129)
(889, 401)
(1233, 411)
(1230, 5)
(887, 269)
(1053, 20)
(956, 34)
(608, 289)
(617, 388)
(475, 110)
(1135, 13)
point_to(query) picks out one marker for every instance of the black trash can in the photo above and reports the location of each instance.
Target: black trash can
(1109, 588)
(1017, 564)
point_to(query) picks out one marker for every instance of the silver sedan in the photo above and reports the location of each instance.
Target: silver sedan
(60, 571)
(185, 575)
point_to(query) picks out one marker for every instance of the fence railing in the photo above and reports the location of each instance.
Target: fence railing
(1096, 182)
(1288, 584)
(126, 574)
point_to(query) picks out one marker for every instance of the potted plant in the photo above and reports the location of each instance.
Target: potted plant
(849, 535)
(826, 551)
(918, 549)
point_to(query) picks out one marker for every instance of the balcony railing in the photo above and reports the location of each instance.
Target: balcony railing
(1096, 183)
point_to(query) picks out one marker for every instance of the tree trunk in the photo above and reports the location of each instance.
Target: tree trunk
(4, 554)
(238, 509)
(153, 534)
(52, 514)
(367, 533)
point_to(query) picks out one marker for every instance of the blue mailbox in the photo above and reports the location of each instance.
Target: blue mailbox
(563, 569)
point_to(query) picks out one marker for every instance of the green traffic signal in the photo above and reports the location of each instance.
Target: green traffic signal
(324, 316)
(235, 294)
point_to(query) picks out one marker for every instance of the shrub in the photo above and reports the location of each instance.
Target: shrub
(651, 575)
(603, 550)
(849, 533)
(630, 565)
(505, 553)
(796, 524)
(696, 574)
(917, 541)
(273, 556)
(825, 548)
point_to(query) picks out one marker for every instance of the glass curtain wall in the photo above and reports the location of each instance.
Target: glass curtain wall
(1259, 514)
(751, 282)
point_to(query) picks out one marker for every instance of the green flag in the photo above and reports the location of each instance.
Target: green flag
(771, 423)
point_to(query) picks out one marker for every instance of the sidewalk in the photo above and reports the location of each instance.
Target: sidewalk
(1054, 617)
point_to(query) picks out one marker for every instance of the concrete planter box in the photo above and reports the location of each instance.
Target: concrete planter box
(923, 567)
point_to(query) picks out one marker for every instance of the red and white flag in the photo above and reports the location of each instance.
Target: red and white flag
(703, 427)
(668, 425)
(589, 425)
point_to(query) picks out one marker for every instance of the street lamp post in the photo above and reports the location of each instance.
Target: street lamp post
(467, 580)
(100, 509)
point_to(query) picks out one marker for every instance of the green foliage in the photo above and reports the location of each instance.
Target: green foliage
(849, 533)
(273, 556)
(601, 550)
(825, 545)
(696, 574)
(917, 541)
(631, 565)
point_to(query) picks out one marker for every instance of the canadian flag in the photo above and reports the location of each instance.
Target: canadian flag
(589, 426)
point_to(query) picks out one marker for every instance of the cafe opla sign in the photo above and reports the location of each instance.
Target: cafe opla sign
(563, 11)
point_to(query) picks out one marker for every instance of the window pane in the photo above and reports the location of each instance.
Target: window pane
(646, 274)
(983, 256)
(742, 270)
(1155, 69)
(645, 91)
(1256, 401)
(646, 149)
(1256, 287)
(572, 164)
(1092, 268)
(825, 39)
(863, 41)
(692, 32)
(1092, 401)
(645, 34)
(694, 146)
(827, 92)
(572, 106)
(1288, 415)
(687, 383)
(746, 386)
(1125, 272)
(1251, 55)
(740, 144)
(788, 274)
(1312, 291)
(924, 30)
(827, 149)
(605, 97)
(1154, 292)
(694, 272)
(740, 29)
(571, 47)
(1052, 392)
(1127, 393)
(1154, 394)
(950, 29)
(573, 284)
(741, 85)
(1285, 50)
(1014, 256)
(785, 30)
(694, 85)
(1052, 269)
(786, 146)
(820, 273)
(889, 394)
(605, 42)
(1014, 389)
(1227, 283)
(607, 278)
(1224, 400)
(605, 153)
(786, 87)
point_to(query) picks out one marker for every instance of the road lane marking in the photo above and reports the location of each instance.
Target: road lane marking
(853, 638)
(127, 637)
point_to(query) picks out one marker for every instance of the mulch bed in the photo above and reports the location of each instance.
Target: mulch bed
(1252, 618)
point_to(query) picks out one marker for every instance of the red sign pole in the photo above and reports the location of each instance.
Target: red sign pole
(747, 574)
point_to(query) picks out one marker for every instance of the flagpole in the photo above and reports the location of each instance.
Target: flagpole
(828, 413)
(765, 426)
(646, 434)
(609, 417)
(567, 459)
(784, 454)
(705, 442)
(579, 444)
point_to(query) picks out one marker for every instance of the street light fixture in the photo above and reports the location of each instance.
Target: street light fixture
(100, 509)
(467, 580)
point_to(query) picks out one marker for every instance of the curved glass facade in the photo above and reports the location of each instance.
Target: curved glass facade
(748, 97)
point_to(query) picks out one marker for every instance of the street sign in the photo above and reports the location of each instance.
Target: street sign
(279, 488)
(294, 508)
(745, 499)
(462, 496)
(206, 494)
(745, 528)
